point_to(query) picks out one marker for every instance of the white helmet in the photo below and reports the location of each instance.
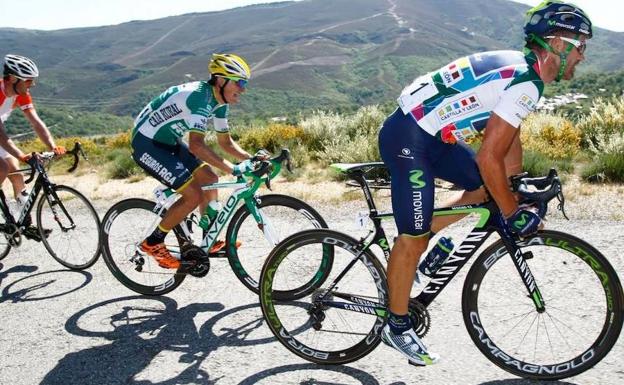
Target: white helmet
(20, 67)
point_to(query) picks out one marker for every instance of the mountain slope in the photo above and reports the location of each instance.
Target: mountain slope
(307, 54)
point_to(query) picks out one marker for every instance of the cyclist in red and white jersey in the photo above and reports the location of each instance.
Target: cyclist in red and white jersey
(18, 77)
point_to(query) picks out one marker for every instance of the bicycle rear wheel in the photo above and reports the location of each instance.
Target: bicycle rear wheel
(284, 215)
(72, 226)
(333, 324)
(126, 225)
(583, 300)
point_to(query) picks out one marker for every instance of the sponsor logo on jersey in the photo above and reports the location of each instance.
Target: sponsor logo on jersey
(164, 114)
(459, 108)
(451, 75)
(526, 102)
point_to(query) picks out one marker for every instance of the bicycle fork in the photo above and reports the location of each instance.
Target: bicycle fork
(519, 259)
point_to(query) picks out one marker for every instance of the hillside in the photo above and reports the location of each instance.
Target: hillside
(304, 55)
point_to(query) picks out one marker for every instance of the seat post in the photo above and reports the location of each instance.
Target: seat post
(358, 176)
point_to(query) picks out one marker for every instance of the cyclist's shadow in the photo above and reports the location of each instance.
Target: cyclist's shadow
(4, 274)
(140, 328)
(43, 285)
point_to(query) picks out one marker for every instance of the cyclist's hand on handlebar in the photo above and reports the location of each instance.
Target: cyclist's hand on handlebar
(539, 207)
(261, 155)
(524, 221)
(25, 158)
(242, 167)
(59, 150)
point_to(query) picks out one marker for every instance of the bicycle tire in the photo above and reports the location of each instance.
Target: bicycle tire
(125, 225)
(294, 322)
(5, 247)
(591, 275)
(75, 240)
(286, 215)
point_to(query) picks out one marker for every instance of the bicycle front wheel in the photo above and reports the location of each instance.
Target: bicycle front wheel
(125, 226)
(583, 307)
(335, 323)
(5, 246)
(283, 215)
(69, 227)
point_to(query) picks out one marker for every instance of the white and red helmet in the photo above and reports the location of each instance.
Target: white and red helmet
(21, 67)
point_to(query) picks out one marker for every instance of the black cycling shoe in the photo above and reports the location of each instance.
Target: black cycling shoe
(31, 232)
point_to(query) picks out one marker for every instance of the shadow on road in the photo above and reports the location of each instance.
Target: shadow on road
(141, 334)
(289, 372)
(41, 286)
(521, 381)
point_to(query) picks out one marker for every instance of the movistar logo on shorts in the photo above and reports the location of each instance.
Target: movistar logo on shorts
(414, 179)
(521, 222)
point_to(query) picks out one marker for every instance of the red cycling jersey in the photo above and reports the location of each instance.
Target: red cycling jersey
(7, 104)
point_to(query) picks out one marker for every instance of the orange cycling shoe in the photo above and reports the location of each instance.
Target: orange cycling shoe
(160, 253)
(219, 244)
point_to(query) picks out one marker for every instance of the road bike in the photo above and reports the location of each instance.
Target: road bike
(255, 227)
(548, 306)
(66, 222)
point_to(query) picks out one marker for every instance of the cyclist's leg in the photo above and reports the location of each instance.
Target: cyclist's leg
(17, 180)
(204, 175)
(404, 149)
(446, 167)
(164, 163)
(4, 169)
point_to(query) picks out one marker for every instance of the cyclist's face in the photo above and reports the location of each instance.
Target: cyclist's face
(22, 86)
(233, 92)
(574, 58)
(576, 54)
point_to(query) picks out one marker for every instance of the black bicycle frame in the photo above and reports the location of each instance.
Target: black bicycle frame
(41, 183)
(490, 222)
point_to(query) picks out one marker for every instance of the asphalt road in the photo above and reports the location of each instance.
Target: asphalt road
(65, 327)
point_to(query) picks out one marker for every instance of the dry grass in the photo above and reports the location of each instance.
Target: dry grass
(583, 200)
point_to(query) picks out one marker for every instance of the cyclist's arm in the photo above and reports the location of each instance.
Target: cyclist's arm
(497, 141)
(40, 128)
(513, 159)
(225, 141)
(8, 144)
(198, 147)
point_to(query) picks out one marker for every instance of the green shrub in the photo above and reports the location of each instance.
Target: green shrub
(605, 120)
(551, 135)
(121, 140)
(538, 164)
(603, 135)
(272, 137)
(334, 137)
(122, 165)
(607, 167)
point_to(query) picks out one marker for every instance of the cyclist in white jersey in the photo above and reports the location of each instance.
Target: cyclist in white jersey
(490, 92)
(19, 75)
(158, 147)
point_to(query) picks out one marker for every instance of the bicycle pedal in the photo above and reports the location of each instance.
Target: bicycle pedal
(218, 254)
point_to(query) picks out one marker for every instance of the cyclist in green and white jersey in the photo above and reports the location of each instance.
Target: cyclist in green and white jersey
(489, 92)
(158, 147)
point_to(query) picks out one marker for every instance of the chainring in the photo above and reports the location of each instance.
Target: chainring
(199, 261)
(420, 317)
